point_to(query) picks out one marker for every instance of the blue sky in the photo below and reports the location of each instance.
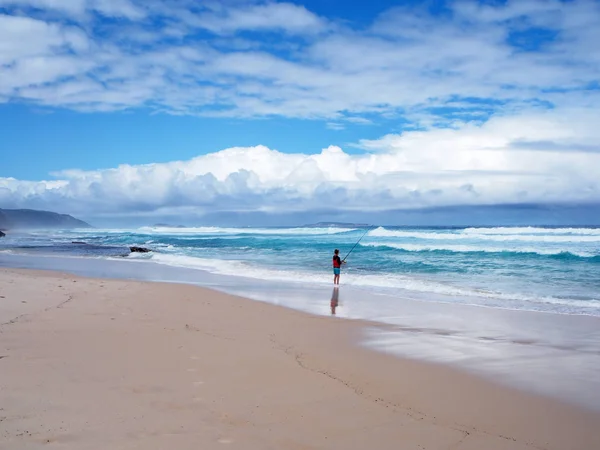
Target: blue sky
(64, 139)
(129, 111)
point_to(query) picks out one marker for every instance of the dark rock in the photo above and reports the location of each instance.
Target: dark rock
(2, 234)
(79, 242)
(139, 249)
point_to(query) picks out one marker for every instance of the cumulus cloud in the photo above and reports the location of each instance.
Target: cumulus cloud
(220, 58)
(492, 163)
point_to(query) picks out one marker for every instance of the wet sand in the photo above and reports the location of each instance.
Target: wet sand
(89, 363)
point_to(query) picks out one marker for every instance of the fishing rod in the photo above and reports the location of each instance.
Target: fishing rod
(368, 229)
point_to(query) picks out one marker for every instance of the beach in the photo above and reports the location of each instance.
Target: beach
(297, 225)
(94, 363)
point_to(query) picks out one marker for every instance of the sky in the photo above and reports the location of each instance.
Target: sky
(264, 112)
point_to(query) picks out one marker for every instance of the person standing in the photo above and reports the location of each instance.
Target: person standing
(337, 265)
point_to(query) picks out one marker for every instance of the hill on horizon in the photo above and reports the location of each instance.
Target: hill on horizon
(14, 219)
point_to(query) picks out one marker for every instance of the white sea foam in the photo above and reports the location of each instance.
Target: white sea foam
(488, 235)
(384, 232)
(387, 281)
(534, 238)
(98, 231)
(474, 248)
(533, 230)
(267, 231)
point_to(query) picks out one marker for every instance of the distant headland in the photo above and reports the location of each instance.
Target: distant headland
(17, 219)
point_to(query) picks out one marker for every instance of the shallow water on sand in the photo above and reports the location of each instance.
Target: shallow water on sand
(551, 354)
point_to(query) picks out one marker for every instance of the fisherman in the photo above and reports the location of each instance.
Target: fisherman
(337, 261)
(337, 264)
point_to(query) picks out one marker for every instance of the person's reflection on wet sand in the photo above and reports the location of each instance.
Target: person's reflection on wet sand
(335, 295)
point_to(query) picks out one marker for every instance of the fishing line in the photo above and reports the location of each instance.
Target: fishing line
(369, 229)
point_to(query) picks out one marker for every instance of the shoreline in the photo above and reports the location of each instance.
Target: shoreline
(550, 355)
(250, 352)
(416, 296)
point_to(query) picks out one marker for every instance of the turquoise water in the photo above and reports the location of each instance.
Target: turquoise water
(529, 268)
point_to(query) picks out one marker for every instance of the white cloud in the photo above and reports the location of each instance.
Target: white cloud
(117, 8)
(287, 17)
(72, 7)
(493, 121)
(403, 64)
(22, 37)
(78, 8)
(534, 157)
(335, 126)
(35, 53)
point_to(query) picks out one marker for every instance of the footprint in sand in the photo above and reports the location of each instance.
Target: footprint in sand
(192, 370)
(225, 441)
(198, 383)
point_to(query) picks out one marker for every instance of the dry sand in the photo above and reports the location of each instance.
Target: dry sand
(106, 364)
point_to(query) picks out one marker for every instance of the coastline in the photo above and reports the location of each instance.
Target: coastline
(553, 355)
(98, 363)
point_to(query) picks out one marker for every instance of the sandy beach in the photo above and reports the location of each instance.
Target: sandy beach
(89, 363)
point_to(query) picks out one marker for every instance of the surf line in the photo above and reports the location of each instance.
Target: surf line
(368, 229)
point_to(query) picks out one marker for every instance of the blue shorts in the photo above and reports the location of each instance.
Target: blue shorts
(336, 270)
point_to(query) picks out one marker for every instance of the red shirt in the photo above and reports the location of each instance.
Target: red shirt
(337, 262)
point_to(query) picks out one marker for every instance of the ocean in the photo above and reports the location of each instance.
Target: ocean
(553, 270)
